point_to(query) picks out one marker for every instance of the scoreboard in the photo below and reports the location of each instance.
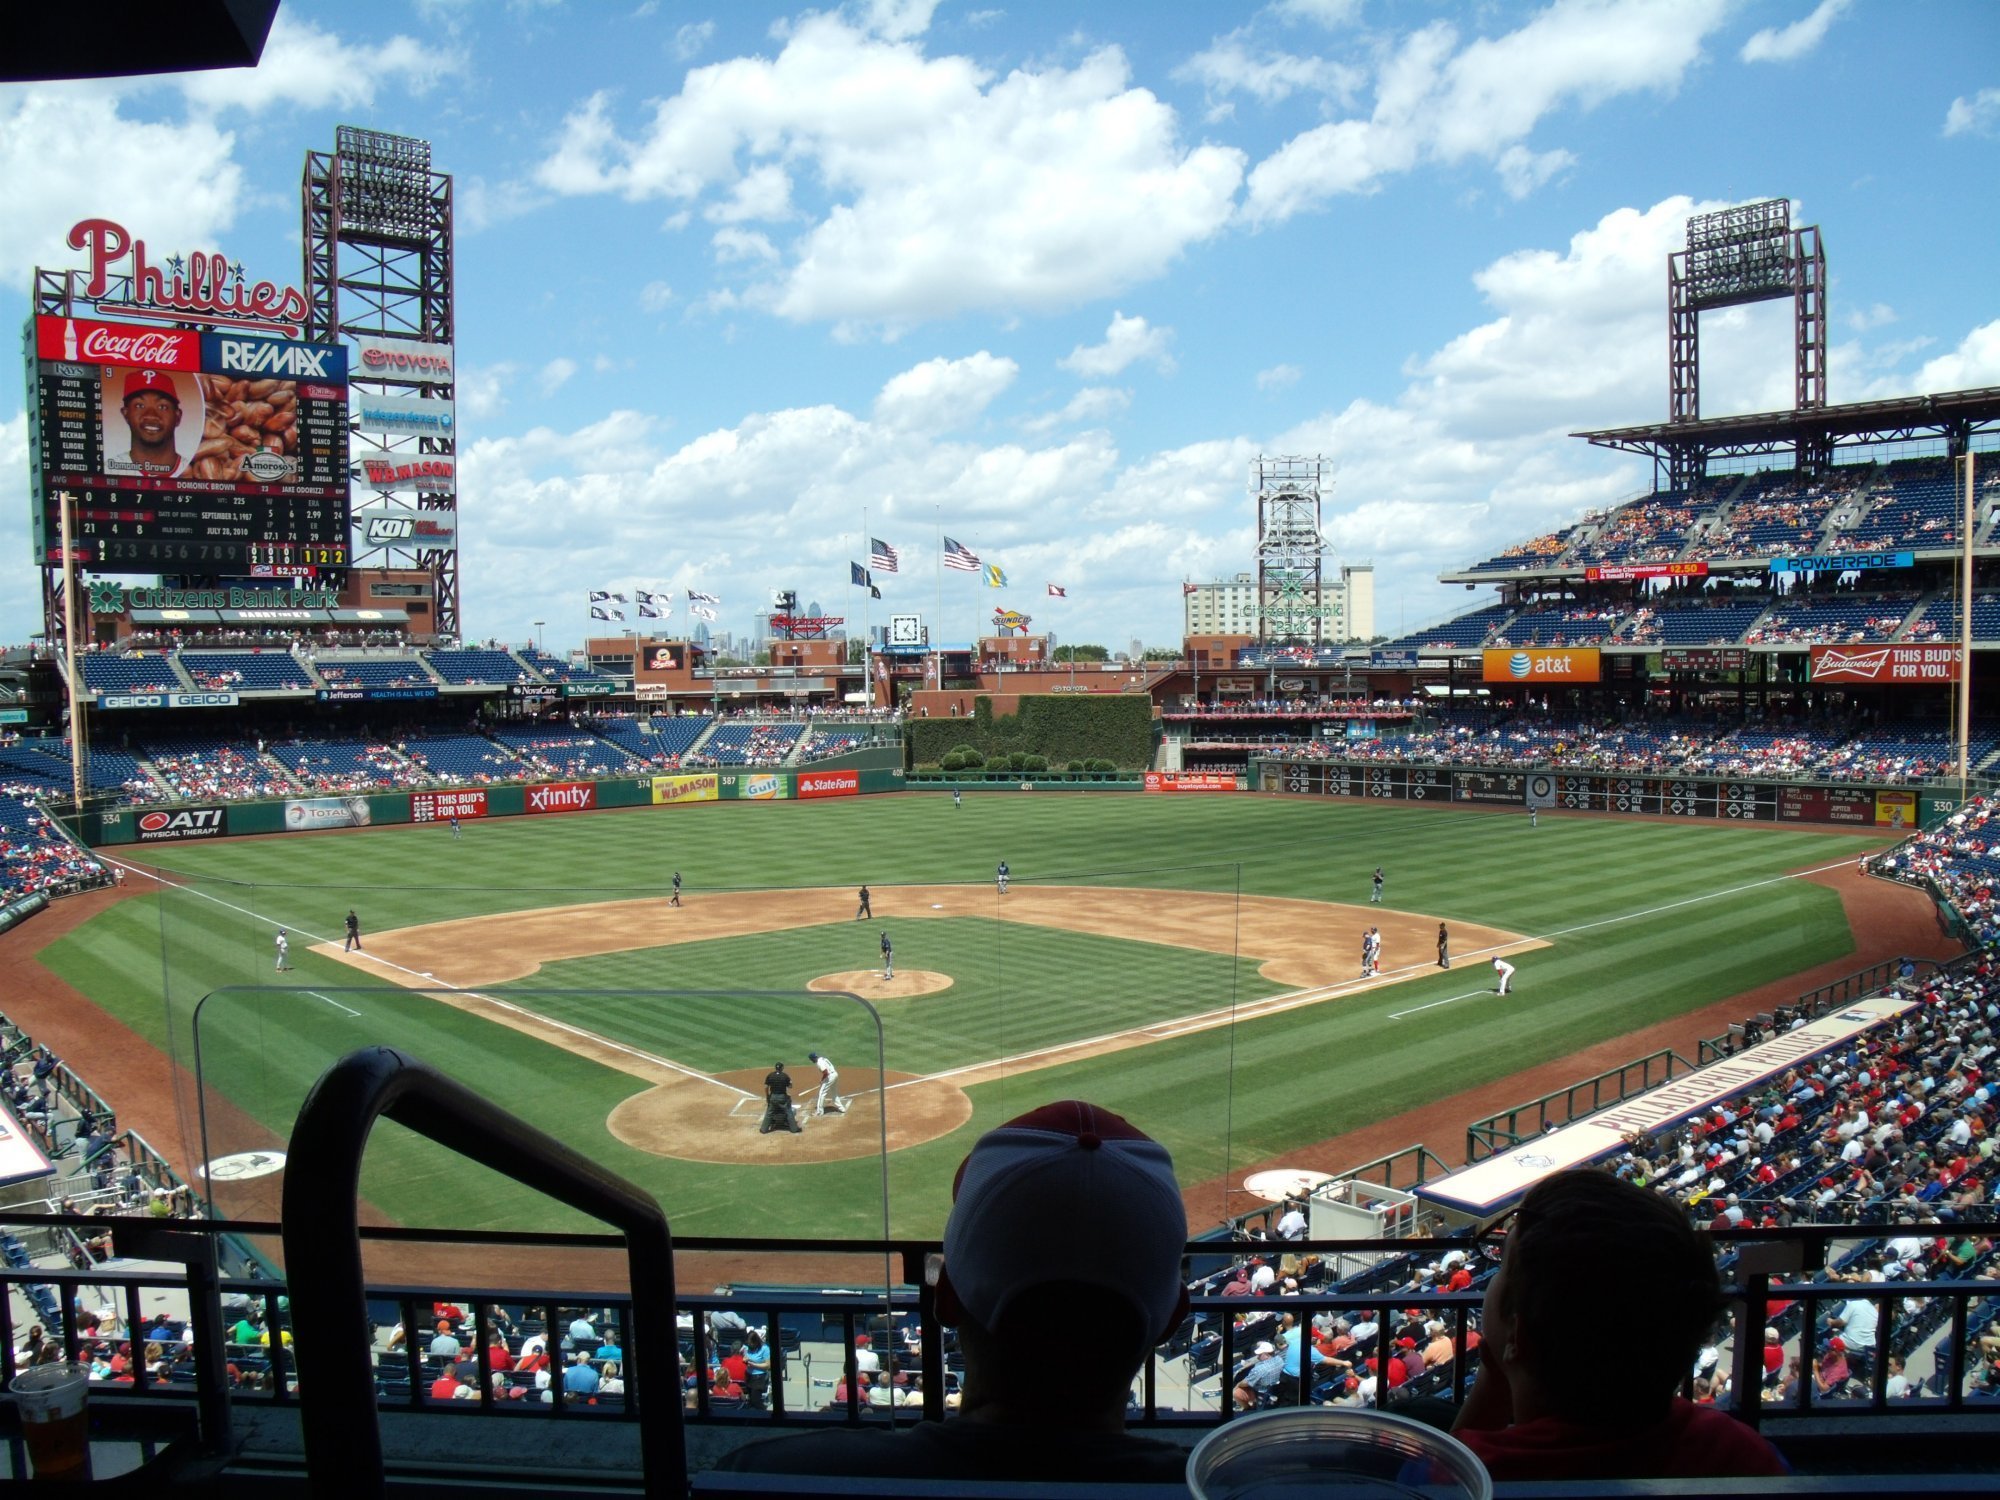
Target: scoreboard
(204, 454)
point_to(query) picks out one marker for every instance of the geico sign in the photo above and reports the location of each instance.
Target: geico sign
(186, 823)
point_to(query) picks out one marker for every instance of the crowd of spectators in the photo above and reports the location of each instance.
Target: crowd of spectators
(1959, 857)
(35, 854)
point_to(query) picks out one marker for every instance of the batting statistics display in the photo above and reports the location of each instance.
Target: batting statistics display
(191, 453)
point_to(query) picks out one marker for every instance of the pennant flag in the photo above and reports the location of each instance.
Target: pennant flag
(621, 599)
(598, 596)
(644, 597)
(881, 556)
(696, 596)
(647, 612)
(701, 612)
(959, 556)
(599, 614)
(995, 577)
(1057, 591)
(1189, 588)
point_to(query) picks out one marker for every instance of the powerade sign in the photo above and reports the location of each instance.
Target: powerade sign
(163, 826)
(1843, 562)
(273, 359)
(166, 700)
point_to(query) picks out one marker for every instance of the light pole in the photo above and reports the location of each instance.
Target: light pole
(538, 635)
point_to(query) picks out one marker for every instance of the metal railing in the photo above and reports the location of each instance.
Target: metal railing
(1873, 980)
(1505, 1130)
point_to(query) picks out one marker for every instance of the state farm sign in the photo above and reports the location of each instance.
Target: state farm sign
(562, 797)
(1885, 663)
(828, 784)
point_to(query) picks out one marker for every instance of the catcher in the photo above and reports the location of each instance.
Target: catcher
(778, 1111)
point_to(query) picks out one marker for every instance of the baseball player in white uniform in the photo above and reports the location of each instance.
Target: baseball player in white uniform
(828, 1101)
(284, 951)
(1504, 972)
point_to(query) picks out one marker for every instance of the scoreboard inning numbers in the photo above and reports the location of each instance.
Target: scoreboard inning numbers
(188, 452)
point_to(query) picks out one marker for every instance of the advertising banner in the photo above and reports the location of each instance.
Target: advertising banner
(1843, 562)
(390, 361)
(374, 694)
(14, 913)
(166, 700)
(588, 689)
(652, 690)
(20, 1158)
(1896, 810)
(407, 470)
(828, 784)
(1190, 781)
(441, 807)
(326, 812)
(400, 526)
(1886, 664)
(761, 788)
(668, 790)
(1626, 572)
(1540, 664)
(1393, 659)
(417, 414)
(562, 797)
(162, 826)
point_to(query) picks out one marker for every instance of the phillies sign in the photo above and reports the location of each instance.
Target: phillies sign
(203, 287)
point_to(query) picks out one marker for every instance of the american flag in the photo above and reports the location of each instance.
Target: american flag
(960, 557)
(881, 556)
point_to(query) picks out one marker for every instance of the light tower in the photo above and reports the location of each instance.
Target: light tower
(1290, 608)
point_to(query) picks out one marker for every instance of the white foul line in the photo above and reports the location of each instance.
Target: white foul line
(637, 1053)
(331, 1001)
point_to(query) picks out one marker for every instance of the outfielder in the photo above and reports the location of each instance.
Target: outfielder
(1000, 877)
(828, 1101)
(1376, 898)
(1505, 972)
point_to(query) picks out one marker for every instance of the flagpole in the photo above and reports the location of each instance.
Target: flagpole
(937, 524)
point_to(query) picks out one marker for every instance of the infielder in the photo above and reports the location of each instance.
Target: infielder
(676, 901)
(1444, 947)
(888, 958)
(828, 1101)
(1000, 877)
(353, 932)
(284, 951)
(1371, 952)
(1505, 973)
(1376, 898)
(864, 909)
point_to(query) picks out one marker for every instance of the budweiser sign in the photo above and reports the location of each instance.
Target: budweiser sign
(562, 797)
(201, 286)
(1891, 664)
(88, 341)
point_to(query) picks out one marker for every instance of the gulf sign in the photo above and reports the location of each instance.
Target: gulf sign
(828, 784)
(668, 790)
(162, 826)
(761, 788)
(562, 797)
(1885, 664)
(1541, 664)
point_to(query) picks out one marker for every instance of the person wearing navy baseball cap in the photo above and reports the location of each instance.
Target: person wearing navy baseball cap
(152, 410)
(1067, 1217)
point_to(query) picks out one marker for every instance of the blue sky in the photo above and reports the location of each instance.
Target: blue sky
(1050, 278)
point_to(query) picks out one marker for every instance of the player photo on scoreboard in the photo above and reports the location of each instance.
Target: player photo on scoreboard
(161, 424)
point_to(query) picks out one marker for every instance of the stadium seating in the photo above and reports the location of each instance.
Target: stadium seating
(554, 669)
(1917, 506)
(372, 671)
(194, 768)
(144, 673)
(1541, 552)
(1940, 619)
(823, 742)
(461, 668)
(740, 744)
(1651, 530)
(1465, 631)
(342, 765)
(35, 856)
(246, 671)
(670, 737)
(1566, 625)
(560, 753)
(462, 759)
(1834, 621)
(1721, 624)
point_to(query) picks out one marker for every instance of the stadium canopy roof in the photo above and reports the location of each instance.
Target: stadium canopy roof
(119, 38)
(1944, 416)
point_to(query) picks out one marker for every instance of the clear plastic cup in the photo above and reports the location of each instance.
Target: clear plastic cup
(1344, 1452)
(55, 1419)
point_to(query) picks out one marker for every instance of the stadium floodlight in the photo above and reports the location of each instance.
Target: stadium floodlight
(1740, 254)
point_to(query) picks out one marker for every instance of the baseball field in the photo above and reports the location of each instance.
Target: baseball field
(1191, 962)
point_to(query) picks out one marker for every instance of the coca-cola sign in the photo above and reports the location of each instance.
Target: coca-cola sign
(202, 286)
(86, 341)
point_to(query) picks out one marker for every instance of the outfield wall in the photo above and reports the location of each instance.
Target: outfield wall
(1731, 799)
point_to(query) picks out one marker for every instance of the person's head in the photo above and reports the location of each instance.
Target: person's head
(152, 407)
(1066, 1208)
(1580, 1242)
(812, 1057)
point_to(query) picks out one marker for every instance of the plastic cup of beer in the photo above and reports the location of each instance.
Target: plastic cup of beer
(1333, 1453)
(54, 1419)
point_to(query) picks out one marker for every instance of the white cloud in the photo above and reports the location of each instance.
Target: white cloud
(556, 374)
(482, 389)
(1788, 43)
(743, 244)
(1327, 13)
(763, 193)
(1278, 377)
(66, 152)
(1094, 403)
(1978, 115)
(1438, 101)
(1125, 340)
(945, 189)
(304, 67)
(1879, 315)
(1974, 363)
(691, 39)
(1229, 66)
(941, 394)
(656, 296)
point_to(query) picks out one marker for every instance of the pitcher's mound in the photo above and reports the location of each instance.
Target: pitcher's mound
(870, 985)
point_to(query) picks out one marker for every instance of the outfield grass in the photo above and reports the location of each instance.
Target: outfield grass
(1647, 920)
